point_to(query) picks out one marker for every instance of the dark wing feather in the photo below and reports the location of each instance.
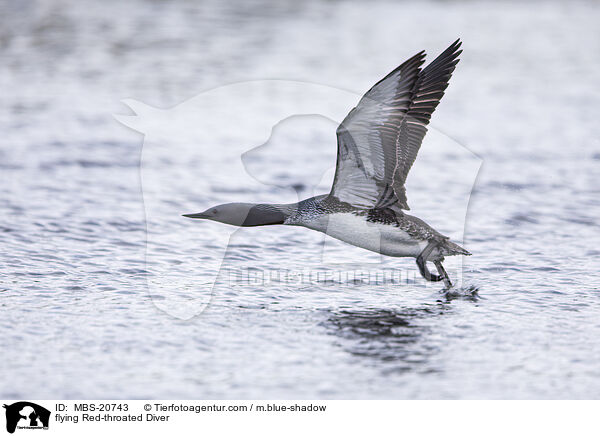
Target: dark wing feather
(367, 137)
(379, 139)
(427, 93)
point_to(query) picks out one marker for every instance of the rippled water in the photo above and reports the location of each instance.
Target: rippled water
(78, 317)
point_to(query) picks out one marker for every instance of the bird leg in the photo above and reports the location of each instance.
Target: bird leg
(443, 273)
(421, 263)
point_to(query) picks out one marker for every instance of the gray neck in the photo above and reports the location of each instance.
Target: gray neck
(268, 214)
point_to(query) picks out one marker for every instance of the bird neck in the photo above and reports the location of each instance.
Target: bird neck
(268, 214)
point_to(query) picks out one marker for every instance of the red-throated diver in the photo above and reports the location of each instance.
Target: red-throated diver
(378, 142)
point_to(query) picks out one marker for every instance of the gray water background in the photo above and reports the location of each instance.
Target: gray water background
(77, 319)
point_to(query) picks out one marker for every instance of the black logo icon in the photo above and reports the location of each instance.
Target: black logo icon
(26, 415)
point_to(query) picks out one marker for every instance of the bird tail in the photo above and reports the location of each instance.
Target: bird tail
(454, 249)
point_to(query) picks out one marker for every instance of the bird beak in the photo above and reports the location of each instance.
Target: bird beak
(195, 215)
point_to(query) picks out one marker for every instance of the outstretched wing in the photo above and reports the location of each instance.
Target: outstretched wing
(379, 139)
(367, 137)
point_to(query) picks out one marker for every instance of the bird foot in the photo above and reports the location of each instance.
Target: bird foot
(428, 275)
(443, 273)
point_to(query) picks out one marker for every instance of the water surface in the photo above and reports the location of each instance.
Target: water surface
(78, 318)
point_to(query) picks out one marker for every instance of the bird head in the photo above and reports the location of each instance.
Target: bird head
(243, 214)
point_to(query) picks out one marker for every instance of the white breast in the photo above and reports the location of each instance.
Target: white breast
(356, 230)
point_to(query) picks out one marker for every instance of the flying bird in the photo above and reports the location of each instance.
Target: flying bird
(377, 144)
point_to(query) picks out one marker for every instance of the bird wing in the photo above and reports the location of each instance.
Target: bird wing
(379, 139)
